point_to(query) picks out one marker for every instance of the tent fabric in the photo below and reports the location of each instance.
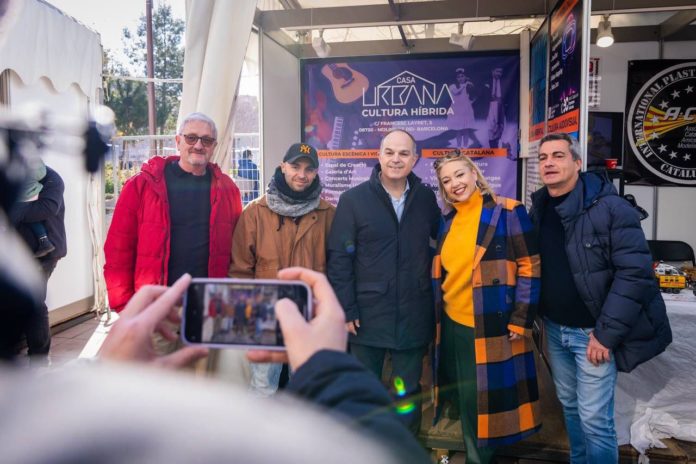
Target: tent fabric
(53, 45)
(217, 34)
(95, 213)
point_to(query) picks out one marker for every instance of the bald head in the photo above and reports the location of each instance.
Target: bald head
(397, 155)
(398, 131)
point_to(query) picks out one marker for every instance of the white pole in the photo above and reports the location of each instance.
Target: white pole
(524, 93)
(584, 80)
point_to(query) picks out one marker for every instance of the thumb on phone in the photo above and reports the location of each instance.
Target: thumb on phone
(289, 317)
(294, 328)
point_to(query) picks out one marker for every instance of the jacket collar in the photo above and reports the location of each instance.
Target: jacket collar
(488, 203)
(591, 186)
(154, 167)
(490, 214)
(323, 204)
(376, 183)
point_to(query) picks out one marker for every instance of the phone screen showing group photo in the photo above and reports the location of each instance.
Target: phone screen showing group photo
(238, 313)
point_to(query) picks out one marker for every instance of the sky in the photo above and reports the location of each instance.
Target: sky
(109, 17)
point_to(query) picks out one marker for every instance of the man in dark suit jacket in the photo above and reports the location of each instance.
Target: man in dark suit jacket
(49, 208)
(379, 266)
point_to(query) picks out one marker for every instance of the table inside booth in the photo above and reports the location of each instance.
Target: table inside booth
(660, 395)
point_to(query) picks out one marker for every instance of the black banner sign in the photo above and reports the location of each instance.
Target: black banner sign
(660, 146)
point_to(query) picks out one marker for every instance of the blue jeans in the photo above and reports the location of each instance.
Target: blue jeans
(265, 378)
(586, 393)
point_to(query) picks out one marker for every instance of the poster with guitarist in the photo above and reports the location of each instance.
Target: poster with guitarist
(465, 100)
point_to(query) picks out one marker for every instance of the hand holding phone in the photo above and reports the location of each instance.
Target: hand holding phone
(240, 313)
(326, 331)
(130, 338)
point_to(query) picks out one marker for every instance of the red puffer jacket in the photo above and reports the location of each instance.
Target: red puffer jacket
(137, 245)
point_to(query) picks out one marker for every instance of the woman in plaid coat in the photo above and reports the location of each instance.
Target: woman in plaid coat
(487, 287)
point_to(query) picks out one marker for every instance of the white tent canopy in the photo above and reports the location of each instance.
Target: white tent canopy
(44, 42)
(55, 63)
(217, 34)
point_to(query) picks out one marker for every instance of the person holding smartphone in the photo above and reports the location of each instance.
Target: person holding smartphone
(486, 274)
(287, 226)
(154, 415)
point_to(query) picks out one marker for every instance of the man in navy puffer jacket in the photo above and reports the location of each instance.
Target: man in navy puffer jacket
(601, 306)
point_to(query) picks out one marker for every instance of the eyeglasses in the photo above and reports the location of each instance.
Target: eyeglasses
(452, 155)
(193, 139)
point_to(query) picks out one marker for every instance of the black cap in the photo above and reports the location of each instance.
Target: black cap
(302, 150)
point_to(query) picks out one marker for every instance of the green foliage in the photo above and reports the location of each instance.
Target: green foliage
(128, 99)
(123, 176)
(167, 34)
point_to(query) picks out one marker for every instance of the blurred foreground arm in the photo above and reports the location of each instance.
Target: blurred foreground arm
(326, 375)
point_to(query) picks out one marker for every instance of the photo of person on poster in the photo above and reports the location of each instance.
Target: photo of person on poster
(462, 120)
(496, 110)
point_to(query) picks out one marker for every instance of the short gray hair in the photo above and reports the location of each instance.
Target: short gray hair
(573, 144)
(198, 117)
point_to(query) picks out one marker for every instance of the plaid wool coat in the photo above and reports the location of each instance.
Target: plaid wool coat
(506, 293)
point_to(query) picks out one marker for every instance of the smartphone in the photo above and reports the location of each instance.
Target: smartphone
(239, 313)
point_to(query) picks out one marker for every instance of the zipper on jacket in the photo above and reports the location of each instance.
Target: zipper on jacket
(213, 217)
(162, 193)
(396, 285)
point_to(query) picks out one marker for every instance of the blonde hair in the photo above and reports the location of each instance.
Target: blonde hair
(456, 155)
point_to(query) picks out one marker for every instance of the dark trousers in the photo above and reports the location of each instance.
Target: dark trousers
(406, 364)
(37, 330)
(459, 367)
(37, 228)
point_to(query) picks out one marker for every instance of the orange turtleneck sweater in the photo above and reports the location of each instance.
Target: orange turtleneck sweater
(458, 259)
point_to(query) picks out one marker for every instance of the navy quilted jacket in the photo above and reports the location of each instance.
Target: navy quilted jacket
(612, 269)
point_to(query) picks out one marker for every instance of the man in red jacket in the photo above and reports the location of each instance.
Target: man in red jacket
(176, 216)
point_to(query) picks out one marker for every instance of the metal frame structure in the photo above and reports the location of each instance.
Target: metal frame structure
(278, 23)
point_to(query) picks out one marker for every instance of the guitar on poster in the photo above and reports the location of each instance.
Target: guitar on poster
(347, 83)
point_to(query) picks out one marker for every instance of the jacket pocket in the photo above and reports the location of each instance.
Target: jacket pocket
(369, 292)
(267, 267)
(596, 250)
(372, 288)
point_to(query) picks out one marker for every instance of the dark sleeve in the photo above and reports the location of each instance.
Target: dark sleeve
(436, 216)
(47, 205)
(634, 279)
(338, 382)
(528, 285)
(341, 253)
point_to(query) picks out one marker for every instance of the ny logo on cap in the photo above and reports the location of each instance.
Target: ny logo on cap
(304, 149)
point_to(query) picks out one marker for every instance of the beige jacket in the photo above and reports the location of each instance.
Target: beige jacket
(261, 246)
